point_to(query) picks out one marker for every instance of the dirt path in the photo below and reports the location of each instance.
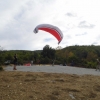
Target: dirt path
(56, 69)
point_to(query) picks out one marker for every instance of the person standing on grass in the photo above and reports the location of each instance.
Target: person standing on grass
(15, 62)
(98, 65)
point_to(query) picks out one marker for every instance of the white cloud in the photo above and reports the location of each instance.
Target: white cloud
(79, 21)
(85, 24)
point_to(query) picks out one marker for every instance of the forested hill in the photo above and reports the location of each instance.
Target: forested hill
(86, 48)
(82, 56)
(83, 51)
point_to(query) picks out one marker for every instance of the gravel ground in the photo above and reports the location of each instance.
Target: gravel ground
(55, 69)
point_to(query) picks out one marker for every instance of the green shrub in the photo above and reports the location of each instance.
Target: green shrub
(91, 65)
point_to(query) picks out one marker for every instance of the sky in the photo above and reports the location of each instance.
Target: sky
(79, 21)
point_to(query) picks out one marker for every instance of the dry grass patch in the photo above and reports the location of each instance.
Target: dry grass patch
(48, 86)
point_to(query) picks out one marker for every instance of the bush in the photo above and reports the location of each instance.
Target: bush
(1, 68)
(91, 65)
(45, 60)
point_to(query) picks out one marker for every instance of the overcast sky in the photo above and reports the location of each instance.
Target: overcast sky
(79, 20)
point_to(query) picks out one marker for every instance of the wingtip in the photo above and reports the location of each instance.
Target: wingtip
(59, 42)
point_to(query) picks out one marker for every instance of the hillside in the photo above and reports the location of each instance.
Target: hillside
(82, 56)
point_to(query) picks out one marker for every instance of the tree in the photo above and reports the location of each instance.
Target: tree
(35, 56)
(91, 56)
(2, 59)
(48, 52)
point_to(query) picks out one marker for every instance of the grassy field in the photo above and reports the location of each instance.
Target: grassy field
(48, 86)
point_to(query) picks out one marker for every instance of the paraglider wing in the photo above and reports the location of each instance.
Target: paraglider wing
(55, 31)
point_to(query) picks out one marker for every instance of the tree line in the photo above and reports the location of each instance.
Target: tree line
(82, 56)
